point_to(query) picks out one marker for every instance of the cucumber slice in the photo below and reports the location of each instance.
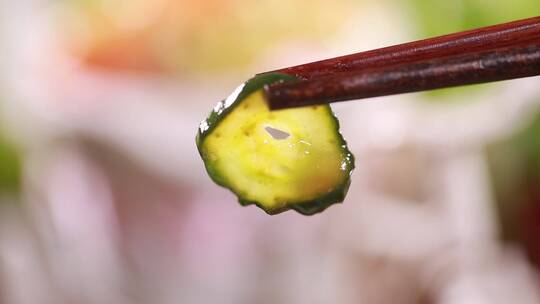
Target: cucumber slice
(278, 160)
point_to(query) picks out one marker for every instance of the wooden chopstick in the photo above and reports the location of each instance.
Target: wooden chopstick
(472, 68)
(488, 54)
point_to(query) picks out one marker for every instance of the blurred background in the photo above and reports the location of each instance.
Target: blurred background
(104, 199)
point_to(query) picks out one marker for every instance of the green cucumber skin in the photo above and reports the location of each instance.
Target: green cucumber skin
(309, 207)
(221, 110)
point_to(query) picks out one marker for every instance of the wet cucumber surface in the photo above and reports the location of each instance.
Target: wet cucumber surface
(277, 160)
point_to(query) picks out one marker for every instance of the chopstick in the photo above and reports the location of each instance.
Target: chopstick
(473, 68)
(493, 53)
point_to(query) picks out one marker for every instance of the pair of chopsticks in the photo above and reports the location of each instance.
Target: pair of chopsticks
(493, 53)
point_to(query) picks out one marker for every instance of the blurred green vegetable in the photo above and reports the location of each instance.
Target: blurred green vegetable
(10, 167)
(439, 17)
(515, 168)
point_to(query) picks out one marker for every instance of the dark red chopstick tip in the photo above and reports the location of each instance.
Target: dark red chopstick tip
(473, 68)
(402, 68)
(476, 40)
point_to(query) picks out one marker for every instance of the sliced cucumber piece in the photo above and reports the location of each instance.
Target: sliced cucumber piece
(278, 160)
